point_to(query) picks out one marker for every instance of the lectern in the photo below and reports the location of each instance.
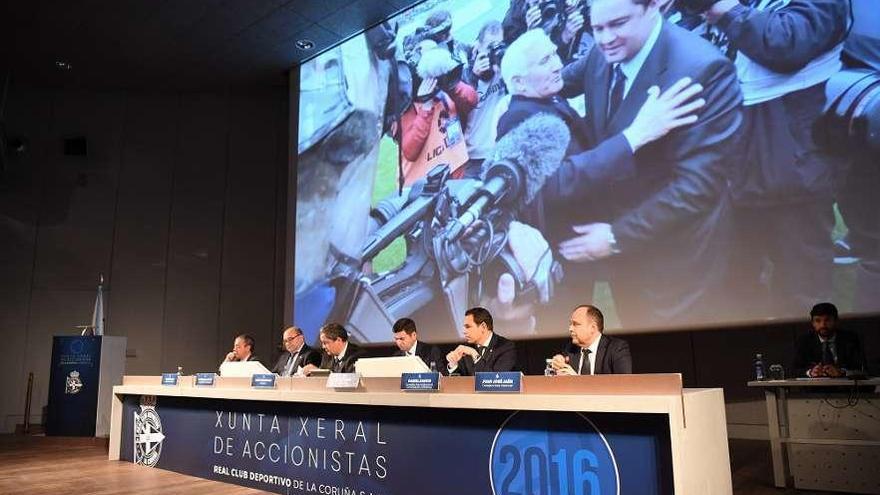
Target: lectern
(84, 371)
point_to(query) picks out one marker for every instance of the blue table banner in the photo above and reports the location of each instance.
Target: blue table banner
(170, 378)
(305, 448)
(425, 382)
(498, 381)
(263, 380)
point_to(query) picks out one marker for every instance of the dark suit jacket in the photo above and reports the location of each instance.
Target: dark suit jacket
(500, 356)
(781, 164)
(612, 356)
(588, 168)
(670, 219)
(307, 355)
(808, 352)
(428, 353)
(352, 354)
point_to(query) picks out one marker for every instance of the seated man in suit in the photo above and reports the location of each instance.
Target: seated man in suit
(340, 354)
(592, 353)
(242, 349)
(486, 350)
(297, 354)
(406, 338)
(827, 350)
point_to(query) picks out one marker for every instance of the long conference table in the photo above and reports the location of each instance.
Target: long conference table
(596, 435)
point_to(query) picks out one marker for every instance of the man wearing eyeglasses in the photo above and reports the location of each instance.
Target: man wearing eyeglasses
(296, 355)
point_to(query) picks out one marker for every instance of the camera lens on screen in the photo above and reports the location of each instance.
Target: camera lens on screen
(447, 81)
(496, 52)
(548, 9)
(852, 112)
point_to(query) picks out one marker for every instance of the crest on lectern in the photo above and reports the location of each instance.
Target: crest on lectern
(73, 384)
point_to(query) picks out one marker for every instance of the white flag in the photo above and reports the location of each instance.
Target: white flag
(98, 313)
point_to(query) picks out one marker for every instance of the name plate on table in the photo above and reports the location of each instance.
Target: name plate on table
(426, 382)
(205, 379)
(343, 380)
(263, 380)
(169, 378)
(498, 381)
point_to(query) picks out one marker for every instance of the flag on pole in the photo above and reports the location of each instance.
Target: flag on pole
(98, 313)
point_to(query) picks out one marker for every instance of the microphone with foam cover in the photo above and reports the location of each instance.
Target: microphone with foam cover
(524, 158)
(537, 146)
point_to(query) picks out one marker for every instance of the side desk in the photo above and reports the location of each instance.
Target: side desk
(824, 433)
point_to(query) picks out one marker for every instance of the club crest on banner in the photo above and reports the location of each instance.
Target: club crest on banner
(148, 434)
(73, 384)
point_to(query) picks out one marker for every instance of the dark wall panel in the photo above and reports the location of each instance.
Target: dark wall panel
(75, 238)
(142, 219)
(19, 212)
(194, 253)
(249, 238)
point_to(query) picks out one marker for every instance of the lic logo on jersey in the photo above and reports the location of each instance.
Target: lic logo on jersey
(552, 453)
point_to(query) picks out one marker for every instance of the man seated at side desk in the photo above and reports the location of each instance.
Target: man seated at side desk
(826, 350)
(486, 350)
(340, 354)
(297, 354)
(406, 338)
(592, 353)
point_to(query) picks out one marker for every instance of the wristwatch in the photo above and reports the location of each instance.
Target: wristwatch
(612, 242)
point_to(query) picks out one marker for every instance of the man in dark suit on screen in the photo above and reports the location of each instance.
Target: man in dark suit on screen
(533, 74)
(592, 353)
(406, 338)
(485, 350)
(827, 351)
(297, 354)
(664, 230)
(339, 353)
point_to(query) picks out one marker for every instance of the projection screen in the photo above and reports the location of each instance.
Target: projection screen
(448, 159)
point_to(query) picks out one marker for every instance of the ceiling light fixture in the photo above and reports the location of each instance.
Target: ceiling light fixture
(305, 44)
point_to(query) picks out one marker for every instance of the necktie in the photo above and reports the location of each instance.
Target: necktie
(336, 363)
(827, 356)
(293, 366)
(482, 350)
(585, 363)
(615, 94)
(288, 368)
